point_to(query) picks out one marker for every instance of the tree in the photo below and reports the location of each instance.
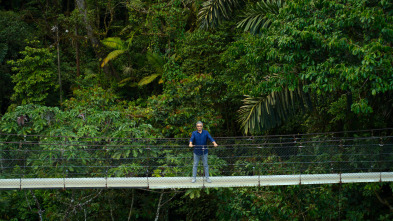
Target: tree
(119, 47)
(193, 89)
(158, 63)
(123, 47)
(13, 31)
(91, 32)
(306, 43)
(35, 75)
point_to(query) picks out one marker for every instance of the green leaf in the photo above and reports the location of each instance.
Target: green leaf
(213, 12)
(148, 79)
(255, 17)
(114, 43)
(112, 55)
(262, 113)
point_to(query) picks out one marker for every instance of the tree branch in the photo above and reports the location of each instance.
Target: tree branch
(169, 199)
(73, 208)
(159, 206)
(384, 201)
(132, 204)
(40, 211)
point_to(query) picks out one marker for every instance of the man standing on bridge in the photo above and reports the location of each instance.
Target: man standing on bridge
(198, 141)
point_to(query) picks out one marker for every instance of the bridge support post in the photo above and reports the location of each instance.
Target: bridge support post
(147, 167)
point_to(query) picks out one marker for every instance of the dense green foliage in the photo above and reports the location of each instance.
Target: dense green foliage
(144, 68)
(14, 32)
(35, 74)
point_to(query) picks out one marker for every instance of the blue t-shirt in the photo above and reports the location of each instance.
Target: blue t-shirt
(200, 141)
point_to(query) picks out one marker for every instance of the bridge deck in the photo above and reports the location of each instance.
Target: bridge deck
(185, 182)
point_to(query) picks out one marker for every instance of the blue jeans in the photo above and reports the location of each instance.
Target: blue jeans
(196, 162)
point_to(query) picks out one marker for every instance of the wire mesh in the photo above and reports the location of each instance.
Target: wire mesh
(237, 159)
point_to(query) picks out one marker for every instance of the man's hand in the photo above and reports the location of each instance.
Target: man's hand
(215, 144)
(190, 145)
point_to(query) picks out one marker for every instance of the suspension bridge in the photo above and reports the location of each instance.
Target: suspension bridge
(63, 162)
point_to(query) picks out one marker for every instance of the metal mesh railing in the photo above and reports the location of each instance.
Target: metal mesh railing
(37, 156)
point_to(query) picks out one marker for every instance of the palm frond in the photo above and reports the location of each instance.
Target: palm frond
(156, 61)
(213, 12)
(148, 79)
(114, 43)
(255, 18)
(263, 113)
(126, 81)
(119, 46)
(112, 55)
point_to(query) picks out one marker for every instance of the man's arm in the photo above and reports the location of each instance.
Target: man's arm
(191, 140)
(211, 139)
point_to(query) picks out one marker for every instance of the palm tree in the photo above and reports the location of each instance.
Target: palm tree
(269, 110)
(119, 47)
(158, 63)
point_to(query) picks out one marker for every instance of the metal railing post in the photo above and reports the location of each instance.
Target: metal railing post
(20, 169)
(381, 144)
(147, 167)
(341, 146)
(106, 168)
(202, 167)
(62, 163)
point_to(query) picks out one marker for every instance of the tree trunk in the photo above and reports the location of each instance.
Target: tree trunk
(383, 201)
(132, 205)
(90, 32)
(40, 211)
(77, 54)
(58, 64)
(92, 37)
(159, 206)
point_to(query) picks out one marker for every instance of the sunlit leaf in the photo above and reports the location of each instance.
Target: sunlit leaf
(148, 79)
(114, 43)
(112, 55)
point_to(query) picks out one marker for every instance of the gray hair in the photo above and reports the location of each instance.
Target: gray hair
(199, 122)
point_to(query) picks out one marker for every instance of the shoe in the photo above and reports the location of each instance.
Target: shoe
(208, 180)
(193, 180)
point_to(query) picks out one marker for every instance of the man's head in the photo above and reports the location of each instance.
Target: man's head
(199, 126)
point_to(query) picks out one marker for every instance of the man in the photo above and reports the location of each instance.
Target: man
(198, 141)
